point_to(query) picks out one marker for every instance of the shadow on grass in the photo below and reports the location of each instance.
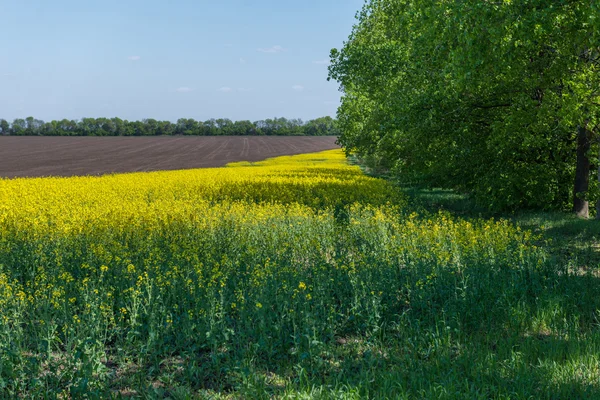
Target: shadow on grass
(542, 344)
(571, 241)
(436, 199)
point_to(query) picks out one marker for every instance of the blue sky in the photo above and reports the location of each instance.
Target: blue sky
(162, 59)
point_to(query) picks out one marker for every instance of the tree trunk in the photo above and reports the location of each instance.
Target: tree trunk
(598, 200)
(582, 173)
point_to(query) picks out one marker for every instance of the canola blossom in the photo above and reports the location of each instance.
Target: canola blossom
(261, 258)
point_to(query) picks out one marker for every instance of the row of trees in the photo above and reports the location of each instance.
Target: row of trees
(150, 127)
(497, 98)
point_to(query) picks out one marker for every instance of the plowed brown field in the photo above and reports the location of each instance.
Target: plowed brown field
(68, 156)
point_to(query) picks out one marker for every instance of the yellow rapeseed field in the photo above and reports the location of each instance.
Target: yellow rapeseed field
(265, 258)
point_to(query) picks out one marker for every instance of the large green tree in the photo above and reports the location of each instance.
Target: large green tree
(490, 97)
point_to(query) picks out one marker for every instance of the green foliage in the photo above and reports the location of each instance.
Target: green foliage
(324, 126)
(479, 96)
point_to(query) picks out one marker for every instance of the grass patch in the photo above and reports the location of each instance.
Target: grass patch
(571, 241)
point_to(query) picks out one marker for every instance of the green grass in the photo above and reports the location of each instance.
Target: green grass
(571, 241)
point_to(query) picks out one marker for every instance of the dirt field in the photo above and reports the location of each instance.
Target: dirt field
(68, 156)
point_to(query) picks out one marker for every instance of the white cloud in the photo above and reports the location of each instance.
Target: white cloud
(274, 49)
(242, 61)
(244, 89)
(225, 89)
(134, 58)
(322, 62)
(298, 88)
(184, 89)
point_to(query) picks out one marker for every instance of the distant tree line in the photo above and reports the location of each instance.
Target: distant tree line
(184, 126)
